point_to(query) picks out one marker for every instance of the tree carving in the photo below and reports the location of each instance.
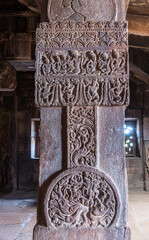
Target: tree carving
(81, 199)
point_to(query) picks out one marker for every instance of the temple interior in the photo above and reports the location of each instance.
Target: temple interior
(20, 119)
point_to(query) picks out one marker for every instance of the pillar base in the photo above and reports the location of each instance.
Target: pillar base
(45, 233)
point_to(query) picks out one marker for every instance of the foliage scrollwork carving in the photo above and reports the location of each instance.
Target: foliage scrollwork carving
(81, 198)
(81, 136)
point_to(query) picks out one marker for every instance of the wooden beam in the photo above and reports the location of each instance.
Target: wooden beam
(23, 66)
(138, 24)
(138, 41)
(137, 73)
(139, 9)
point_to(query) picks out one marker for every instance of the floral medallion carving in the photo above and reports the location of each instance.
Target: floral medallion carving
(81, 123)
(81, 197)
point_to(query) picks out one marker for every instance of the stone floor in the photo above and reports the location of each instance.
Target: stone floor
(139, 215)
(18, 215)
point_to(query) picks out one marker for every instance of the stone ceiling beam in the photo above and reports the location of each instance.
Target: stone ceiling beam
(138, 74)
(138, 10)
(23, 66)
(137, 41)
(138, 24)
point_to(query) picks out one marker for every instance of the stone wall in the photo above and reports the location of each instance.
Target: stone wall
(27, 167)
(17, 42)
(8, 170)
(18, 170)
(138, 109)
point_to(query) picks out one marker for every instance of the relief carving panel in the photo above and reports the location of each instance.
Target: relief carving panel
(82, 64)
(81, 198)
(81, 124)
(82, 35)
(92, 91)
(81, 10)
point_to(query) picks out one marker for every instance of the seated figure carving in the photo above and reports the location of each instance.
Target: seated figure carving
(81, 10)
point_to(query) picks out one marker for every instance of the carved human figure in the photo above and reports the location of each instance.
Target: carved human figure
(118, 62)
(81, 10)
(92, 91)
(117, 90)
(68, 91)
(103, 63)
(55, 62)
(46, 65)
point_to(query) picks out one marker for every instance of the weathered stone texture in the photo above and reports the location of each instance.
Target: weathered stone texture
(111, 157)
(81, 64)
(75, 234)
(82, 10)
(50, 145)
(81, 197)
(82, 136)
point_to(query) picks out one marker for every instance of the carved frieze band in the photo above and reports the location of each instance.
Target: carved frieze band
(82, 64)
(93, 91)
(81, 129)
(82, 34)
(81, 197)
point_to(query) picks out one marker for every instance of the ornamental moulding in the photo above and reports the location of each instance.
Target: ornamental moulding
(82, 64)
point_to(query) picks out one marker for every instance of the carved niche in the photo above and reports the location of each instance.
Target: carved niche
(81, 197)
(82, 64)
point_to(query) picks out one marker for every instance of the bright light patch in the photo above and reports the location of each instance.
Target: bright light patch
(129, 131)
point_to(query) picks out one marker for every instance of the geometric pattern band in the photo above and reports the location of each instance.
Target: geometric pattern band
(82, 64)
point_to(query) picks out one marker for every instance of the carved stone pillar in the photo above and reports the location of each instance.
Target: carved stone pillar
(82, 90)
(7, 77)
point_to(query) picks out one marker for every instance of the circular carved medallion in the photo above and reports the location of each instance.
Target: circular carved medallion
(81, 197)
(81, 10)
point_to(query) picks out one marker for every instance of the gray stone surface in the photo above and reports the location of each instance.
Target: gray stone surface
(74, 7)
(51, 143)
(111, 152)
(138, 215)
(81, 64)
(17, 215)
